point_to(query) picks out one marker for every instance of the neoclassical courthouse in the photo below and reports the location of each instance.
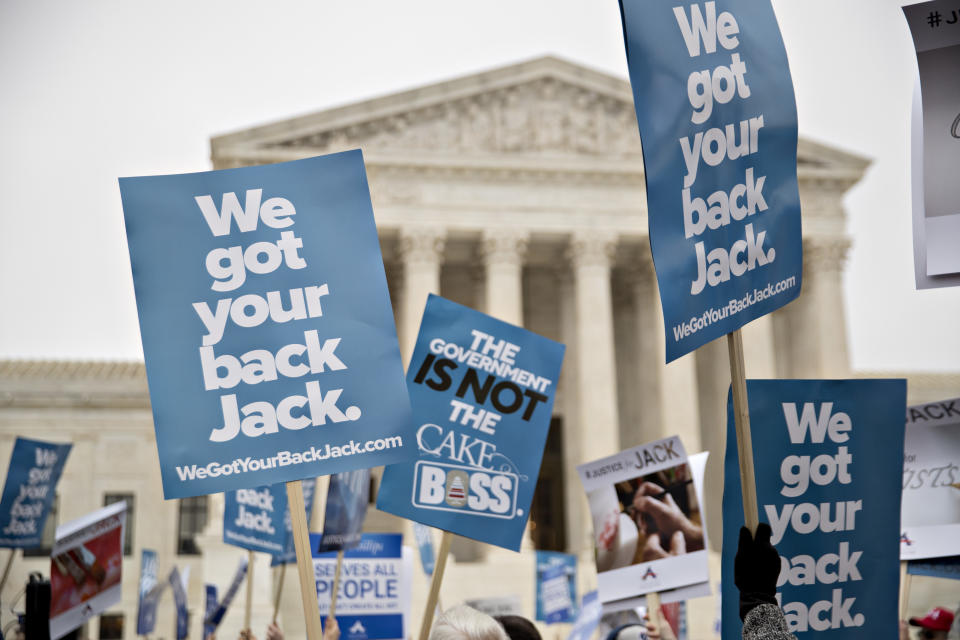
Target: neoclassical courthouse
(520, 192)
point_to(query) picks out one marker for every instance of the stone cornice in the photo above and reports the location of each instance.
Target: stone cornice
(72, 384)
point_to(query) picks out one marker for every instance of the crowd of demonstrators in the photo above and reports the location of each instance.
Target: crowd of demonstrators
(756, 569)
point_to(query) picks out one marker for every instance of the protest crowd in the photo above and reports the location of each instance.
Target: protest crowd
(359, 439)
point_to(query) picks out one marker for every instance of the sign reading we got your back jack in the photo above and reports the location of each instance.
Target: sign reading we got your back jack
(482, 392)
(269, 340)
(717, 116)
(828, 457)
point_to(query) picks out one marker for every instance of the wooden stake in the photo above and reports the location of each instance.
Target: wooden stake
(6, 568)
(276, 598)
(905, 579)
(336, 585)
(249, 606)
(301, 542)
(653, 609)
(438, 569)
(741, 415)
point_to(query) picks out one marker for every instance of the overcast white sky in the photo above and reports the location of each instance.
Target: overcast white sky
(93, 90)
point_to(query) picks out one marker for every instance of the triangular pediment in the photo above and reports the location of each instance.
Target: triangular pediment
(542, 108)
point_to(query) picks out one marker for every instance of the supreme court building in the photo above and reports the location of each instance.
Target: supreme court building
(519, 192)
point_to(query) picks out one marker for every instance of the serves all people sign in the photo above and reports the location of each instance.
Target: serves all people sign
(482, 392)
(269, 340)
(717, 116)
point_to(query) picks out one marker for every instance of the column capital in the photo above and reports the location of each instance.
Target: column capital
(592, 249)
(421, 243)
(504, 247)
(825, 254)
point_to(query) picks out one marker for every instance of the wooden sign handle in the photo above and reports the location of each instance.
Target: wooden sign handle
(336, 585)
(653, 609)
(905, 578)
(6, 568)
(248, 608)
(301, 542)
(438, 569)
(741, 416)
(276, 598)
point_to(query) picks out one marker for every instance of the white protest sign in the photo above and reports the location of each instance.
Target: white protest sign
(649, 534)
(930, 509)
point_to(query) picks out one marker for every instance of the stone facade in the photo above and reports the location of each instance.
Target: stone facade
(519, 192)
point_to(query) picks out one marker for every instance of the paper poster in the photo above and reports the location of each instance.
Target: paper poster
(213, 619)
(85, 568)
(930, 511)
(268, 335)
(149, 593)
(588, 619)
(178, 584)
(923, 281)
(648, 525)
(948, 568)
(936, 37)
(375, 584)
(347, 497)
(289, 555)
(210, 607)
(553, 589)
(718, 121)
(562, 608)
(254, 518)
(668, 596)
(31, 484)
(424, 537)
(482, 392)
(826, 456)
(497, 606)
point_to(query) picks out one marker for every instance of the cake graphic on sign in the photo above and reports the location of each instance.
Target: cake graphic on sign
(456, 488)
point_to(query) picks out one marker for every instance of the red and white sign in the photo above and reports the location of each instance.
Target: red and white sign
(85, 568)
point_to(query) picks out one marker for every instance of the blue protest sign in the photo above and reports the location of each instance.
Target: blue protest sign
(346, 507)
(424, 536)
(148, 594)
(254, 518)
(179, 585)
(948, 568)
(827, 456)
(213, 619)
(35, 468)
(210, 606)
(586, 623)
(375, 585)
(268, 336)
(482, 392)
(289, 555)
(718, 121)
(547, 561)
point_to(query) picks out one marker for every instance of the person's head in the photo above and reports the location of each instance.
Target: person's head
(463, 623)
(518, 628)
(935, 625)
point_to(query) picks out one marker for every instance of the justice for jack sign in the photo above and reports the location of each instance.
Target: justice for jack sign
(269, 341)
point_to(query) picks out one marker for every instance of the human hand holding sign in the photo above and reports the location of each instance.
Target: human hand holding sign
(673, 528)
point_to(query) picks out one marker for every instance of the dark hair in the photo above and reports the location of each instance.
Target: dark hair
(518, 627)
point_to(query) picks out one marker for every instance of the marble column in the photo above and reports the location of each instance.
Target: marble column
(421, 253)
(649, 349)
(503, 253)
(591, 255)
(811, 332)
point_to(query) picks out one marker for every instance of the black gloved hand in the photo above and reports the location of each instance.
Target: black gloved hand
(756, 568)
